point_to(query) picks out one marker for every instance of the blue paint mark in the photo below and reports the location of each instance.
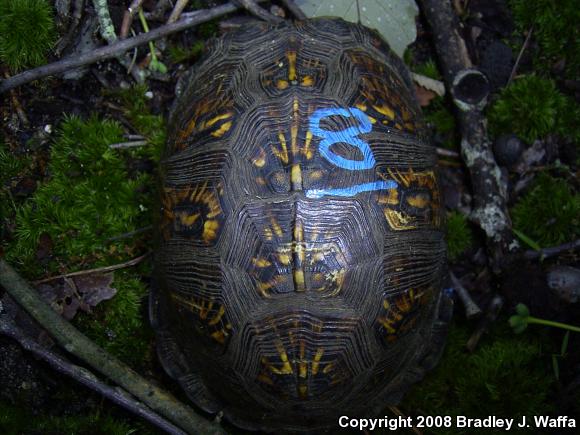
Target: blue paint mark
(348, 135)
(352, 190)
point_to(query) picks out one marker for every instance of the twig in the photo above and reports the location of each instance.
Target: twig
(128, 18)
(131, 233)
(71, 32)
(259, 12)
(294, 9)
(132, 144)
(17, 106)
(177, 10)
(85, 377)
(470, 89)
(471, 308)
(491, 313)
(107, 52)
(79, 345)
(103, 269)
(108, 33)
(550, 252)
(520, 54)
(447, 153)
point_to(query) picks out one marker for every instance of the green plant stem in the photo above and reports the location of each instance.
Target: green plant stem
(79, 345)
(537, 321)
(146, 28)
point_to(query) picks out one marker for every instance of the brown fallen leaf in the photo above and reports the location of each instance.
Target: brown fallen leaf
(84, 292)
(424, 96)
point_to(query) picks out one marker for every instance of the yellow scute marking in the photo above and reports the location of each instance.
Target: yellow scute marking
(188, 220)
(210, 228)
(224, 128)
(384, 110)
(261, 262)
(419, 201)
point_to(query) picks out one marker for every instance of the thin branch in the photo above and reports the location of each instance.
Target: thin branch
(79, 345)
(103, 269)
(128, 18)
(177, 10)
(550, 252)
(85, 377)
(520, 54)
(294, 9)
(447, 153)
(109, 51)
(471, 308)
(259, 12)
(131, 144)
(131, 233)
(470, 89)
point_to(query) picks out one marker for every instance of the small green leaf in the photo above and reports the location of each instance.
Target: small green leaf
(564, 347)
(158, 66)
(522, 310)
(556, 366)
(531, 243)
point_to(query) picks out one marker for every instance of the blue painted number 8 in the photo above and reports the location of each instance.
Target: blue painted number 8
(348, 136)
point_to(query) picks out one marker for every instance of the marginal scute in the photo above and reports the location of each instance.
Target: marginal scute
(300, 243)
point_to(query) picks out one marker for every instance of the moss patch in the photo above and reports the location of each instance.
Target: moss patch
(556, 30)
(26, 32)
(549, 213)
(459, 236)
(532, 107)
(89, 199)
(505, 377)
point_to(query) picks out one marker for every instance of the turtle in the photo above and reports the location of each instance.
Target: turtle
(300, 254)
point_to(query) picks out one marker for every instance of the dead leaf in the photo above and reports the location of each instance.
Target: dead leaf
(393, 19)
(84, 292)
(95, 288)
(424, 96)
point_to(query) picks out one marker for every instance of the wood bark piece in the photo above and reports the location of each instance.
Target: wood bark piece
(294, 9)
(109, 51)
(259, 12)
(79, 345)
(469, 91)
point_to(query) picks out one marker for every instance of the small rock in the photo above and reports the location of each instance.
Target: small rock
(507, 149)
(565, 281)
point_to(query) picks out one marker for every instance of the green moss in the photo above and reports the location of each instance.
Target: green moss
(119, 325)
(549, 213)
(88, 199)
(532, 107)
(556, 30)
(459, 236)
(26, 32)
(440, 117)
(428, 69)
(179, 53)
(137, 110)
(506, 377)
(209, 29)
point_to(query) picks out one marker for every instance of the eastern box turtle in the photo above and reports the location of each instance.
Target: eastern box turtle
(298, 272)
